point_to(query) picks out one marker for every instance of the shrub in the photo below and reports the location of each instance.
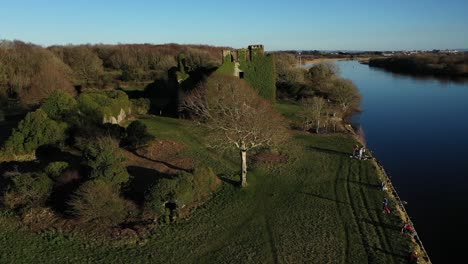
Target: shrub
(34, 130)
(59, 104)
(55, 169)
(99, 201)
(161, 193)
(185, 189)
(27, 190)
(39, 218)
(205, 181)
(137, 135)
(141, 106)
(105, 159)
(130, 73)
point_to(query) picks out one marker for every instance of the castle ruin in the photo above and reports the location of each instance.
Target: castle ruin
(244, 54)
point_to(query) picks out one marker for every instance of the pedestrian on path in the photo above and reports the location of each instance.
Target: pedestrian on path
(407, 228)
(383, 186)
(362, 150)
(386, 206)
(355, 151)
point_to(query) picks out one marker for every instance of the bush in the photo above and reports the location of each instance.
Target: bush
(59, 105)
(27, 190)
(34, 130)
(141, 106)
(137, 135)
(185, 189)
(99, 201)
(55, 169)
(130, 73)
(106, 161)
(205, 182)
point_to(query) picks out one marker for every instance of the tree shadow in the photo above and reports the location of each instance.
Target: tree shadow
(380, 224)
(8, 124)
(141, 180)
(369, 185)
(329, 151)
(389, 253)
(133, 94)
(163, 162)
(46, 154)
(334, 200)
(228, 180)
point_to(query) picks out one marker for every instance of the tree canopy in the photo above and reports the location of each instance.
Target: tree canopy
(236, 116)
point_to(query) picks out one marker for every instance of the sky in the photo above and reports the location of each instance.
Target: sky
(279, 25)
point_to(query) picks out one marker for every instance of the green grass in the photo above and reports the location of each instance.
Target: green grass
(320, 207)
(227, 67)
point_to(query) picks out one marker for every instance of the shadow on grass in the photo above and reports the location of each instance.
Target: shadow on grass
(329, 151)
(163, 162)
(336, 201)
(389, 253)
(369, 185)
(229, 180)
(380, 224)
(142, 179)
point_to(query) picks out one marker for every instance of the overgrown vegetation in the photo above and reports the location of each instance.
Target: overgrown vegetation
(100, 105)
(448, 65)
(106, 161)
(261, 74)
(35, 130)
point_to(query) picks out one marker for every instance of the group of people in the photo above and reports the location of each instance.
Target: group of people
(358, 152)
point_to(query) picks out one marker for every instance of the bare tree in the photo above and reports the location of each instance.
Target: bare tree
(315, 113)
(345, 94)
(236, 116)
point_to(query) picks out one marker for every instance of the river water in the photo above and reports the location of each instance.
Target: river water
(418, 129)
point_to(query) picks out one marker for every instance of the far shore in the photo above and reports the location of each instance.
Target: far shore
(319, 60)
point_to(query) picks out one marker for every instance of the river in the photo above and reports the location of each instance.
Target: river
(418, 129)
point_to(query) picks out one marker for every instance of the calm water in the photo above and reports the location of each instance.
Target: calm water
(418, 129)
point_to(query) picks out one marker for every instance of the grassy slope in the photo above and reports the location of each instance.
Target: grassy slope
(322, 207)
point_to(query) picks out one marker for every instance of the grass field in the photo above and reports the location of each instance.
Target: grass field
(319, 207)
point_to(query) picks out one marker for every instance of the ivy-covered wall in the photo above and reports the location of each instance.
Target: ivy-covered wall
(255, 67)
(261, 74)
(100, 105)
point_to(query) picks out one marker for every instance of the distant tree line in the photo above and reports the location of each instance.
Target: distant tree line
(29, 73)
(449, 65)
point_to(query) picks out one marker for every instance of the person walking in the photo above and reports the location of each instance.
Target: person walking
(407, 228)
(361, 152)
(355, 151)
(383, 186)
(386, 206)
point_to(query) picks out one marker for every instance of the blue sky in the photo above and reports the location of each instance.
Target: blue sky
(294, 24)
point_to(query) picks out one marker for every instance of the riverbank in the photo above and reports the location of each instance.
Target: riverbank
(392, 192)
(428, 118)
